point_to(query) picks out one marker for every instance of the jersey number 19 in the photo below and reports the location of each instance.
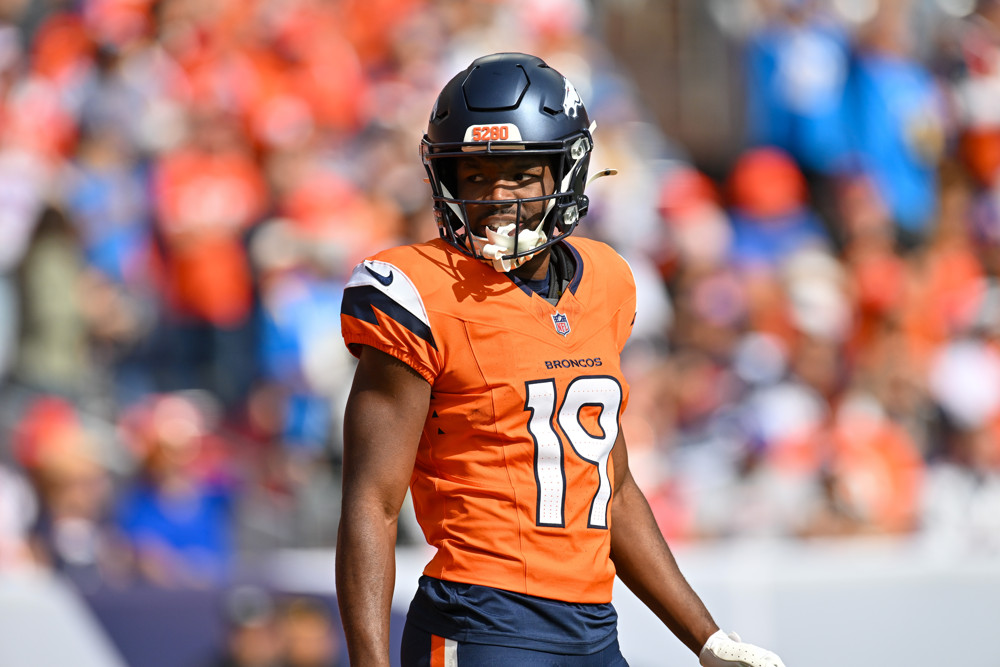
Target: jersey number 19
(590, 391)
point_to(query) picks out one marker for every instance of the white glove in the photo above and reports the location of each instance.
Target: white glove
(722, 650)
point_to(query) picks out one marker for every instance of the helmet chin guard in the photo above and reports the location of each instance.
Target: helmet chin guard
(504, 103)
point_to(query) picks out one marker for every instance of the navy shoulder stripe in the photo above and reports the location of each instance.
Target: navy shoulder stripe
(361, 302)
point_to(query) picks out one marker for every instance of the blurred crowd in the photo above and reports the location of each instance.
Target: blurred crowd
(185, 185)
(266, 630)
(830, 361)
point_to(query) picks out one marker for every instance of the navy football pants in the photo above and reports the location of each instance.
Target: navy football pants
(422, 649)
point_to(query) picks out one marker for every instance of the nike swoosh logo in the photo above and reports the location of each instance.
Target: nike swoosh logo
(385, 280)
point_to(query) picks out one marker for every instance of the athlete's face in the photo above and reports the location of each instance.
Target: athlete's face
(503, 179)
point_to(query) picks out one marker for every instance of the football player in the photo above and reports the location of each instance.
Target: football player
(489, 383)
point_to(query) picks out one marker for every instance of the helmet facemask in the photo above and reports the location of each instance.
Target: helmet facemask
(512, 245)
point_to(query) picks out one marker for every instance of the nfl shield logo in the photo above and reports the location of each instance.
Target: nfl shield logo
(561, 323)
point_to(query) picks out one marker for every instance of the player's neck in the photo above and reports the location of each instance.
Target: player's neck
(535, 268)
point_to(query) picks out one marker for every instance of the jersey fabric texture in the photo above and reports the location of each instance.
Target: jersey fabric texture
(512, 480)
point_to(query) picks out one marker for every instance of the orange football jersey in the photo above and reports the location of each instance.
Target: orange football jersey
(513, 477)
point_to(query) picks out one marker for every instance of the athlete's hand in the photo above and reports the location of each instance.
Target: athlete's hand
(722, 650)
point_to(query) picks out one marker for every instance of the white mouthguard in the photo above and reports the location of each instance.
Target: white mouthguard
(499, 243)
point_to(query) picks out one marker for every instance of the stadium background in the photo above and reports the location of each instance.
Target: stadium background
(808, 194)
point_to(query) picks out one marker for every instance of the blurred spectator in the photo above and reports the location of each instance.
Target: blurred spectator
(107, 193)
(40, 105)
(54, 346)
(695, 234)
(898, 122)
(303, 367)
(961, 499)
(209, 192)
(177, 512)
(308, 635)
(301, 321)
(311, 35)
(746, 495)
(976, 87)
(267, 510)
(73, 533)
(868, 473)
(251, 634)
(883, 355)
(946, 277)
(818, 301)
(330, 210)
(876, 273)
(23, 176)
(770, 210)
(797, 64)
(107, 197)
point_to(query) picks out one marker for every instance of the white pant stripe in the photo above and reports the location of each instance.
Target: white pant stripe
(450, 653)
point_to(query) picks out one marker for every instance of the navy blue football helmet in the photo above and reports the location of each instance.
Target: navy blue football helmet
(501, 103)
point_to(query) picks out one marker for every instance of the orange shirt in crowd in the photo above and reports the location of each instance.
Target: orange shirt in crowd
(206, 203)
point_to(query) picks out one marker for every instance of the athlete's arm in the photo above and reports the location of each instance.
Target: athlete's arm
(645, 563)
(385, 413)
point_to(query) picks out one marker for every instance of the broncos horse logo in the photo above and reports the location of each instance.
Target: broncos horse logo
(571, 100)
